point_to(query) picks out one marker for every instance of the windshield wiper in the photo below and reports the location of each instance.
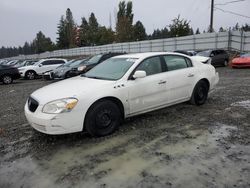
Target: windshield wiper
(96, 77)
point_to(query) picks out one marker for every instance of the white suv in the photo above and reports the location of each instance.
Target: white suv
(30, 72)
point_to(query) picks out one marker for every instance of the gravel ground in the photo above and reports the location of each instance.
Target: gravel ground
(179, 146)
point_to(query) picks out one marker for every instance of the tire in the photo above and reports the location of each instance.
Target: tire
(66, 75)
(200, 93)
(225, 63)
(103, 118)
(7, 79)
(30, 75)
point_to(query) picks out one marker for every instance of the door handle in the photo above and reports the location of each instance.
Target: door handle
(162, 82)
(190, 75)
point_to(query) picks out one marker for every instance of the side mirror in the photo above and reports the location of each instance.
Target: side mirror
(40, 65)
(139, 74)
(211, 55)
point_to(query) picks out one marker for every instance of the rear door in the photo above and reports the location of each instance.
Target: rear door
(180, 77)
(49, 65)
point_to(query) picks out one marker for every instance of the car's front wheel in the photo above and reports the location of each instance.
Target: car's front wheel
(103, 118)
(30, 75)
(7, 79)
(200, 93)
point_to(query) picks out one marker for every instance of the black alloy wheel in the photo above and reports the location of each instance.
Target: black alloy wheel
(103, 118)
(200, 93)
(7, 79)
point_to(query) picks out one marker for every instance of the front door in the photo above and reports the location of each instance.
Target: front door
(150, 91)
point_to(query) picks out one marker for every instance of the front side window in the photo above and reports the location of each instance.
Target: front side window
(151, 66)
(175, 62)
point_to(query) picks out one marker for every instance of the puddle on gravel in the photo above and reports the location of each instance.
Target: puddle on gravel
(244, 104)
(198, 159)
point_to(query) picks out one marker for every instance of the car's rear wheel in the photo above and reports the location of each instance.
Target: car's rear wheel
(30, 75)
(103, 118)
(7, 79)
(200, 93)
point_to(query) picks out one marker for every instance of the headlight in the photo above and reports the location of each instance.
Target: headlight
(81, 68)
(59, 106)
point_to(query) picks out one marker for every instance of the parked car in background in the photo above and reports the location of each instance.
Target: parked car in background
(63, 71)
(8, 74)
(241, 62)
(190, 53)
(30, 72)
(92, 62)
(218, 57)
(120, 87)
(48, 75)
(25, 63)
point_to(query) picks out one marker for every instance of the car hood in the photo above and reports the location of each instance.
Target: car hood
(59, 69)
(73, 87)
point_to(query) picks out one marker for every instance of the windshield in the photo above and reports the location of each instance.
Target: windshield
(77, 62)
(204, 53)
(245, 55)
(111, 69)
(94, 59)
(37, 63)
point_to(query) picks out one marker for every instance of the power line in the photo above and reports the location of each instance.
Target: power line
(234, 13)
(229, 2)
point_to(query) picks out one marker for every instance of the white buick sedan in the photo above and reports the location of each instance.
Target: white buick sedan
(118, 88)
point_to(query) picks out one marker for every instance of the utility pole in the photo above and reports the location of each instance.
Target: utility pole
(211, 16)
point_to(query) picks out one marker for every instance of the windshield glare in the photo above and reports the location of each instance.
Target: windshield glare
(94, 59)
(111, 69)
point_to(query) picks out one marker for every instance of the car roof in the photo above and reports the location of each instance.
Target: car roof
(147, 54)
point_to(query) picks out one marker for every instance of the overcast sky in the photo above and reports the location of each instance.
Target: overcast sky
(20, 20)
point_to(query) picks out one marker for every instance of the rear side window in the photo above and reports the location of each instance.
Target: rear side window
(177, 62)
(47, 62)
(151, 66)
(56, 62)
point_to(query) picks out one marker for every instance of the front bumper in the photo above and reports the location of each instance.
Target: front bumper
(54, 124)
(243, 65)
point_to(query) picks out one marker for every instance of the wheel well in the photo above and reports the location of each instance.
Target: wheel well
(7, 74)
(207, 82)
(30, 71)
(114, 100)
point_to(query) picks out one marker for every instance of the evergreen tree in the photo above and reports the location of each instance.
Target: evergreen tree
(124, 27)
(42, 43)
(70, 30)
(84, 31)
(61, 39)
(179, 27)
(197, 31)
(139, 32)
(93, 33)
(106, 35)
